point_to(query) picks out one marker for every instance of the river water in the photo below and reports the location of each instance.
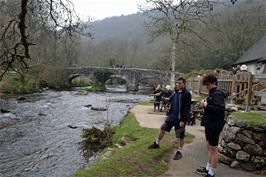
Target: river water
(38, 142)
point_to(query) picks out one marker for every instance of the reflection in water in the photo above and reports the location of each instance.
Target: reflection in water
(116, 88)
(38, 141)
(145, 89)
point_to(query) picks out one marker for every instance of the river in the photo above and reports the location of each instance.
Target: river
(38, 142)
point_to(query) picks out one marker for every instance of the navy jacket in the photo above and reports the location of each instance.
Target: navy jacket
(184, 105)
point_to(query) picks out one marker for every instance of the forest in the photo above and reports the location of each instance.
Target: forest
(227, 32)
(53, 37)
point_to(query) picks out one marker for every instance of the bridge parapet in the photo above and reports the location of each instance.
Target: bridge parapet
(133, 76)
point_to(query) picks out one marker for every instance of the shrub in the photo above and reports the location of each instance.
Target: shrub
(96, 139)
(102, 75)
(81, 81)
(20, 84)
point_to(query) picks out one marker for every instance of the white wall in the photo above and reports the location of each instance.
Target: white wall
(252, 67)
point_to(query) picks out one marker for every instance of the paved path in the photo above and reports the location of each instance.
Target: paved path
(194, 154)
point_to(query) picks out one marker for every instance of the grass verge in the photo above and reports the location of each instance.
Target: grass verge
(134, 159)
(250, 117)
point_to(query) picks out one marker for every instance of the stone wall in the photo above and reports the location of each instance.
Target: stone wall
(133, 76)
(243, 145)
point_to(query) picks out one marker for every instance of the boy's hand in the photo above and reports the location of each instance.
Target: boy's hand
(204, 103)
(181, 124)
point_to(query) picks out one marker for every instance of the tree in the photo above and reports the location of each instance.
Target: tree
(15, 38)
(231, 31)
(175, 18)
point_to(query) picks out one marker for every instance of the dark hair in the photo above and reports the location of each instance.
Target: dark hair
(209, 79)
(182, 79)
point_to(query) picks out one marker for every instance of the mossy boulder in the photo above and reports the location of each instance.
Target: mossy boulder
(96, 139)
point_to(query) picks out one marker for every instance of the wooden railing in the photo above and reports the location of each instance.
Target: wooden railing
(244, 88)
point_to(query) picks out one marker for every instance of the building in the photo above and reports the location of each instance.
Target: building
(255, 57)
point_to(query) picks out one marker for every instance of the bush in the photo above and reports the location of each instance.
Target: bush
(116, 81)
(43, 84)
(102, 75)
(81, 81)
(96, 139)
(20, 84)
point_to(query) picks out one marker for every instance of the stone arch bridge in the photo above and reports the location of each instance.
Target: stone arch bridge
(133, 76)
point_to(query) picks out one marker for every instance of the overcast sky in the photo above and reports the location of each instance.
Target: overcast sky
(99, 9)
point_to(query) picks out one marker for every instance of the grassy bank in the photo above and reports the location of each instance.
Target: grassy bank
(134, 159)
(17, 84)
(250, 117)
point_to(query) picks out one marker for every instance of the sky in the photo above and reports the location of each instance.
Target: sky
(100, 9)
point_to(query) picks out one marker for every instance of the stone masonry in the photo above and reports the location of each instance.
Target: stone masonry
(133, 76)
(243, 145)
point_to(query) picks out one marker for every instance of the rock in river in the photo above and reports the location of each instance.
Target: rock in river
(4, 111)
(99, 108)
(3, 125)
(21, 98)
(73, 127)
(88, 106)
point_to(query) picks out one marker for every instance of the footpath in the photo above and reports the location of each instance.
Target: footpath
(194, 154)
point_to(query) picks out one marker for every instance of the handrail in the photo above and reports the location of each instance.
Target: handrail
(258, 83)
(232, 96)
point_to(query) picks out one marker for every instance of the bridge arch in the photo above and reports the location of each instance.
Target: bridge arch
(122, 78)
(133, 76)
(74, 76)
(117, 83)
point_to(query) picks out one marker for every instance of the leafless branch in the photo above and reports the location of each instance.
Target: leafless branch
(15, 41)
(174, 17)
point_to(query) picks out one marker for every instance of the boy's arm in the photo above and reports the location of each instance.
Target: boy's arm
(186, 114)
(218, 103)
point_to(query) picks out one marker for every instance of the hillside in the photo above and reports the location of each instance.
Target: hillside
(121, 40)
(125, 40)
(119, 28)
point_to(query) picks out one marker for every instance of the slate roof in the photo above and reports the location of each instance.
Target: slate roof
(257, 52)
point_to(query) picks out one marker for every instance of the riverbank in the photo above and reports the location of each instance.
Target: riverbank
(41, 134)
(134, 158)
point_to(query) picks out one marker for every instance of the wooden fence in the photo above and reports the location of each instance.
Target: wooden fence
(243, 87)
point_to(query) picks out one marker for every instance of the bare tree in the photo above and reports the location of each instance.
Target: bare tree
(15, 39)
(175, 18)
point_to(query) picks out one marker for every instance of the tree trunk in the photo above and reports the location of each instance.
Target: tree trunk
(173, 59)
(23, 84)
